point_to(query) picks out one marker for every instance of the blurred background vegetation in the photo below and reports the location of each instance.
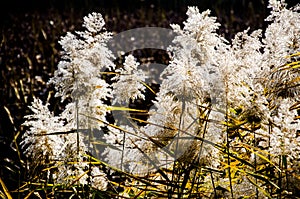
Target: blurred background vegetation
(29, 50)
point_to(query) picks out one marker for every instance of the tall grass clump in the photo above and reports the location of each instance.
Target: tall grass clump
(224, 124)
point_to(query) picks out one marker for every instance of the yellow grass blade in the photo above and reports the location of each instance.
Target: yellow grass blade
(259, 153)
(7, 194)
(293, 55)
(147, 86)
(116, 108)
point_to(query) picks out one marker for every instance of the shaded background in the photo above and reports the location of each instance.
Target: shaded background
(29, 50)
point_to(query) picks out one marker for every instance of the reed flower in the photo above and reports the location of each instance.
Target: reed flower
(130, 80)
(220, 106)
(37, 143)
